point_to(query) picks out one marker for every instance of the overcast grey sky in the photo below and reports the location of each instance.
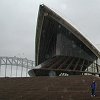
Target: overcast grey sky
(18, 22)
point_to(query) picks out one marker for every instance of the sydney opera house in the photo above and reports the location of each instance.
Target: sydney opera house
(60, 48)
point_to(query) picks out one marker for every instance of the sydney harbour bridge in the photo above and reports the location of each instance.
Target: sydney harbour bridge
(15, 66)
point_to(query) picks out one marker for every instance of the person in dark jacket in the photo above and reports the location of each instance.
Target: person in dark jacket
(93, 88)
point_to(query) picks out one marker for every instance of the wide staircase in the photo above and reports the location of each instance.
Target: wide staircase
(49, 88)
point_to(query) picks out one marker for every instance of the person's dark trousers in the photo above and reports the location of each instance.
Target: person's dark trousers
(93, 92)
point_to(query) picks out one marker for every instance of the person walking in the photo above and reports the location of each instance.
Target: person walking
(93, 88)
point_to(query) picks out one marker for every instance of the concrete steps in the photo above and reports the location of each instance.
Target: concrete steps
(48, 88)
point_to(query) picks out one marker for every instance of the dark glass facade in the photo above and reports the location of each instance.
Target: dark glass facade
(58, 40)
